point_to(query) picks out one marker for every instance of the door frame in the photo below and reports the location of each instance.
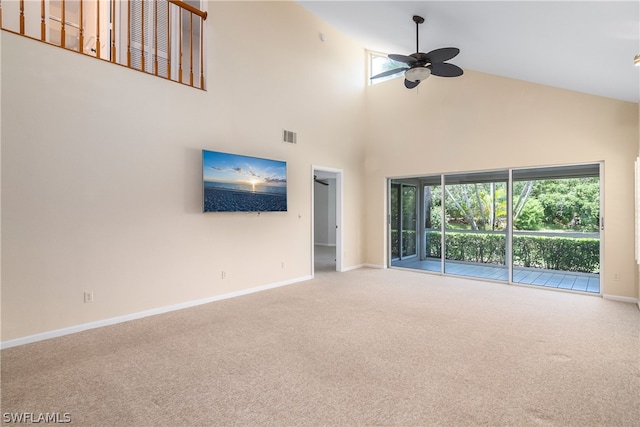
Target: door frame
(338, 175)
(419, 229)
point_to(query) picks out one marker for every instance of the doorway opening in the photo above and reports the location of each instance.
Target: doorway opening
(326, 200)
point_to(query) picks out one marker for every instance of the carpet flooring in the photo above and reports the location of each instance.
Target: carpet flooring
(367, 347)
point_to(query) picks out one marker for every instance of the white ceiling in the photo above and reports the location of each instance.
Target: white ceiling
(586, 46)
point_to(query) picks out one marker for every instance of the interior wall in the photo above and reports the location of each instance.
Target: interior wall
(482, 122)
(101, 168)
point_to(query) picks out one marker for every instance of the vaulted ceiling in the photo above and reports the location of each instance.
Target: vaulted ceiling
(585, 46)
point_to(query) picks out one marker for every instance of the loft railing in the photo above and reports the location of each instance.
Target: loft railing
(160, 37)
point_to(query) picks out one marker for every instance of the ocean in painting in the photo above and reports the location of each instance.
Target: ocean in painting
(241, 197)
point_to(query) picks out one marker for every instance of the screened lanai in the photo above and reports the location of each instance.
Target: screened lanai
(533, 226)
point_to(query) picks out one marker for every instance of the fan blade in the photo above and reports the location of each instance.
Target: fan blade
(442, 54)
(444, 69)
(388, 73)
(409, 84)
(403, 58)
(315, 178)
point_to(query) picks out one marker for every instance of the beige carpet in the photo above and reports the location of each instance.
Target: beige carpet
(368, 347)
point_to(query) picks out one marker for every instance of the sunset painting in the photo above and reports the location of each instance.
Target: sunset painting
(234, 183)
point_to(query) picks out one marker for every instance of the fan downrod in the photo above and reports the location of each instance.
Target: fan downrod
(418, 20)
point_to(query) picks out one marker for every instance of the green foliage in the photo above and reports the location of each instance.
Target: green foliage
(557, 253)
(479, 206)
(531, 216)
(564, 200)
(553, 253)
(408, 242)
(569, 203)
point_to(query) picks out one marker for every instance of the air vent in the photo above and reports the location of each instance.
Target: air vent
(289, 136)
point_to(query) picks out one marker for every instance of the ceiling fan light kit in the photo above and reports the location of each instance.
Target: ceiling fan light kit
(636, 60)
(417, 74)
(419, 65)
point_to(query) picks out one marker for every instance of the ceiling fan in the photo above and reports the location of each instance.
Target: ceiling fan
(421, 65)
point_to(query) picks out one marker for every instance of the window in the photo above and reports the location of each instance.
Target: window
(379, 63)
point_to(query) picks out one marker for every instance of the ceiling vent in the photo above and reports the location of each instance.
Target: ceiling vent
(289, 136)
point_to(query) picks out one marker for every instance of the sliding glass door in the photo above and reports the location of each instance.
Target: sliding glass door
(532, 226)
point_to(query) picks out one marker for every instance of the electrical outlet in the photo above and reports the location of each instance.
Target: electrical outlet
(282, 265)
(224, 274)
(616, 276)
(88, 297)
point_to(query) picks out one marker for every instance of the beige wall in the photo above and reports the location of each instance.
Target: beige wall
(101, 168)
(482, 122)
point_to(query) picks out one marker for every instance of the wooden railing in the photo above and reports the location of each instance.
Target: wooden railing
(160, 37)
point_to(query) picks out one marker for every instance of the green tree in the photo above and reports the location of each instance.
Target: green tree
(570, 203)
(530, 217)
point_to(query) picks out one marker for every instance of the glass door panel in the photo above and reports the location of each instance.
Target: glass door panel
(476, 225)
(556, 227)
(403, 216)
(432, 218)
(409, 221)
(394, 226)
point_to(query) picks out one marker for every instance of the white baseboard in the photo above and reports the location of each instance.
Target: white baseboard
(381, 267)
(133, 316)
(621, 299)
(351, 268)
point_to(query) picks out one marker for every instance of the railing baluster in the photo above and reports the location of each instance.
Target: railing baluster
(168, 40)
(180, 45)
(201, 53)
(129, 34)
(143, 51)
(113, 31)
(155, 39)
(191, 49)
(63, 35)
(22, 17)
(81, 30)
(43, 25)
(97, 28)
